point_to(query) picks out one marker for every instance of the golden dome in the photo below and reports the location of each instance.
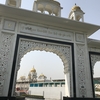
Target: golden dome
(33, 70)
(22, 77)
(76, 7)
(42, 74)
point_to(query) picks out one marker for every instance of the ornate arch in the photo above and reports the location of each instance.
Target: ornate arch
(63, 51)
(94, 57)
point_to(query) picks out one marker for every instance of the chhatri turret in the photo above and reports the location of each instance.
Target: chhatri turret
(51, 6)
(13, 3)
(76, 13)
(42, 77)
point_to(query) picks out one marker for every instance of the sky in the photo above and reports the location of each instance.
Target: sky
(49, 63)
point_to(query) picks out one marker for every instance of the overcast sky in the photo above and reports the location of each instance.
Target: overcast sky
(48, 63)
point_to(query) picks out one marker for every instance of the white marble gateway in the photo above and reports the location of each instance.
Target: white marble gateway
(22, 31)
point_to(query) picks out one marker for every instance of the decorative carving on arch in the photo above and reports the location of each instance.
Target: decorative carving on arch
(64, 52)
(94, 59)
(81, 70)
(6, 40)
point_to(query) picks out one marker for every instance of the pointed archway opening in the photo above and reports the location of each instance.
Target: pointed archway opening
(62, 49)
(46, 63)
(96, 79)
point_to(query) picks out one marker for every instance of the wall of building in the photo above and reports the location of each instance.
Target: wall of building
(48, 92)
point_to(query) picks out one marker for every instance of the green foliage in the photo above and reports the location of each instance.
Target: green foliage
(97, 95)
(97, 89)
(20, 98)
(33, 96)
